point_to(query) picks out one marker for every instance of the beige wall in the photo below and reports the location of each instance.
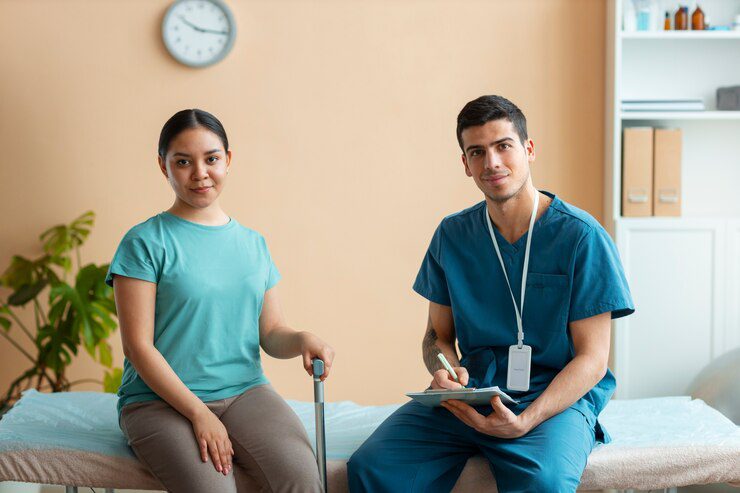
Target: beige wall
(341, 115)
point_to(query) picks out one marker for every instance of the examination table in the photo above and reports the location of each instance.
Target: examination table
(73, 439)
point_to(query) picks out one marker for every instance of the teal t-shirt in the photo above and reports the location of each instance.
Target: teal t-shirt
(211, 281)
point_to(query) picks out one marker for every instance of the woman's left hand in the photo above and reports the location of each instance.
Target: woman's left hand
(313, 347)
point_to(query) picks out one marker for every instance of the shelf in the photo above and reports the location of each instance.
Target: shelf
(680, 35)
(680, 115)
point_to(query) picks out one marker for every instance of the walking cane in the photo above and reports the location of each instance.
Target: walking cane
(318, 400)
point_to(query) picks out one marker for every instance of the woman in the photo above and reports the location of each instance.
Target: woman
(196, 298)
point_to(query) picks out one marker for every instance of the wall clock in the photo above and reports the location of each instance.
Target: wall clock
(198, 33)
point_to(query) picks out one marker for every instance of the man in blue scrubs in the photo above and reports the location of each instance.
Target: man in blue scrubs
(574, 285)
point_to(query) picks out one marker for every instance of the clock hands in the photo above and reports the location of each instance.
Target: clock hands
(200, 29)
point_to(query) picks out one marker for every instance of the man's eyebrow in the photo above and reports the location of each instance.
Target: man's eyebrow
(478, 146)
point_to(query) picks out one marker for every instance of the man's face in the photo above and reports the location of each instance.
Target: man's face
(496, 159)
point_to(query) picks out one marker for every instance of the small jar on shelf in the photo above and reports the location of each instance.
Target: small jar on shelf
(697, 19)
(681, 19)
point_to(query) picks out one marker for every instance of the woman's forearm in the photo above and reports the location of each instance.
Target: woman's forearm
(282, 342)
(162, 379)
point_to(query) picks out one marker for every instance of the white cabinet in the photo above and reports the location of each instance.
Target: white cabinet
(684, 272)
(677, 271)
(732, 288)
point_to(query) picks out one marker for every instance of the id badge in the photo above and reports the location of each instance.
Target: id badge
(520, 359)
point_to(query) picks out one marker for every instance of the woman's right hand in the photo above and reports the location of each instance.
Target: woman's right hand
(443, 379)
(213, 439)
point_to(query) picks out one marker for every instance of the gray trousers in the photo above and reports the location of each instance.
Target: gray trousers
(271, 448)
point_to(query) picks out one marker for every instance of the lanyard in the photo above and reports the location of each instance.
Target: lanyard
(520, 329)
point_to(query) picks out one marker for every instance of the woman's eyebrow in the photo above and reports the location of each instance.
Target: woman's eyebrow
(212, 151)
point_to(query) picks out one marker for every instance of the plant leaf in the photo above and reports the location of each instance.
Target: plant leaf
(104, 354)
(86, 279)
(62, 261)
(19, 273)
(112, 380)
(26, 293)
(60, 239)
(54, 347)
(57, 240)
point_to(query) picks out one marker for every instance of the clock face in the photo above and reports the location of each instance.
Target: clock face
(198, 32)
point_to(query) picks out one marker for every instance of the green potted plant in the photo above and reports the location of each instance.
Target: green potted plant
(79, 313)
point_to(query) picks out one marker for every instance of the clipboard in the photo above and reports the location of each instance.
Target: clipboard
(473, 397)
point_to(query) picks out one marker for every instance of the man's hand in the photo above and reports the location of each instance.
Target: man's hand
(443, 379)
(501, 423)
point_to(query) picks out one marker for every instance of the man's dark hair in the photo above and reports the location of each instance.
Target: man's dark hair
(488, 108)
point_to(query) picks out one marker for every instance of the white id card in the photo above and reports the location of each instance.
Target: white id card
(517, 377)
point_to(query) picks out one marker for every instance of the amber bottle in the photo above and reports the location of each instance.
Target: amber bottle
(667, 22)
(697, 20)
(680, 20)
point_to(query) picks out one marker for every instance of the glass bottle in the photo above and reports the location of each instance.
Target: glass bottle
(667, 22)
(697, 20)
(680, 20)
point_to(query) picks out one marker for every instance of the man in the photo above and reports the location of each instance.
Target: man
(574, 285)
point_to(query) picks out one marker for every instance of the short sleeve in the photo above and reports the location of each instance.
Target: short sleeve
(599, 283)
(431, 281)
(273, 275)
(133, 258)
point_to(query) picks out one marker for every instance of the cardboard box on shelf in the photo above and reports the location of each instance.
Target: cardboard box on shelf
(637, 172)
(667, 172)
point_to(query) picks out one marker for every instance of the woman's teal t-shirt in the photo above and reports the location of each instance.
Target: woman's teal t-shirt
(211, 281)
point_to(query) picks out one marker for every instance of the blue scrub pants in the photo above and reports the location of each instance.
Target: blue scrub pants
(422, 449)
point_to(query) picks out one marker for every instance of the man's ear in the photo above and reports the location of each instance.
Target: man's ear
(465, 164)
(530, 151)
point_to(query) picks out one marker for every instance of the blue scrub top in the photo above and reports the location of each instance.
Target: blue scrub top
(574, 273)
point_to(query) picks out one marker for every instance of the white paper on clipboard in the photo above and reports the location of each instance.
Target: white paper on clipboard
(473, 397)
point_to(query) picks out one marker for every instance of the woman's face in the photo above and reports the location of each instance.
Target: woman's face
(196, 166)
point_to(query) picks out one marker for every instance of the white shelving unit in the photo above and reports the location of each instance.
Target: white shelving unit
(684, 272)
(679, 115)
(683, 35)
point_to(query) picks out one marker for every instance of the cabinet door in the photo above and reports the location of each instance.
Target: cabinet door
(676, 276)
(732, 322)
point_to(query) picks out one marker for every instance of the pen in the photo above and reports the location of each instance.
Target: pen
(447, 366)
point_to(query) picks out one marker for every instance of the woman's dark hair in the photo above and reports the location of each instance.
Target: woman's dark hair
(186, 119)
(488, 108)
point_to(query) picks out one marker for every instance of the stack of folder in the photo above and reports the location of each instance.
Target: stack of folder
(663, 105)
(651, 172)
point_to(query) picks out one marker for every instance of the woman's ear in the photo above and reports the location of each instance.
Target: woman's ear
(162, 166)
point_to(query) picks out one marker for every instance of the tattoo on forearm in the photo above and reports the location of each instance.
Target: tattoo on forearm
(430, 349)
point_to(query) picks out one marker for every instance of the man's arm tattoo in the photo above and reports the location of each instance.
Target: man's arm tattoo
(430, 349)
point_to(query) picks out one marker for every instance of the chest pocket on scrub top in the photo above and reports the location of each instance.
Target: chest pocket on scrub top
(547, 302)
